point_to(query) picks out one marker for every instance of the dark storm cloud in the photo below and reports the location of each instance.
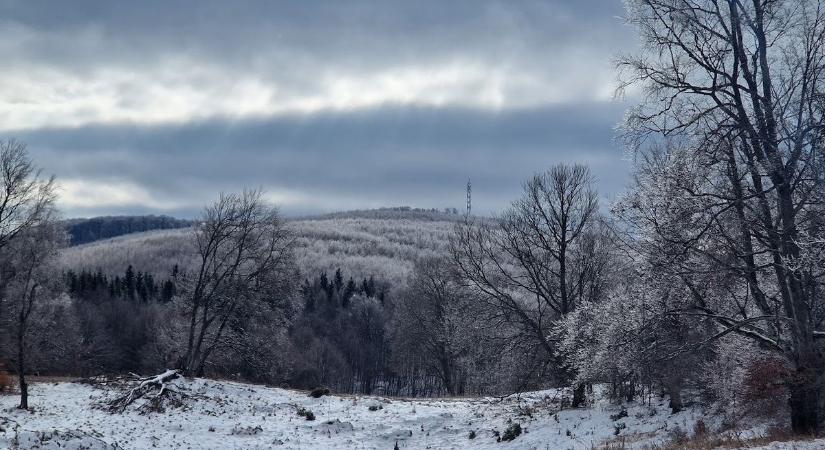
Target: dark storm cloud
(156, 105)
(363, 32)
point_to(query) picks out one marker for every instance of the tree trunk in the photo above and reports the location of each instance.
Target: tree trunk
(578, 395)
(21, 370)
(630, 392)
(447, 375)
(674, 390)
(805, 411)
(24, 391)
(805, 402)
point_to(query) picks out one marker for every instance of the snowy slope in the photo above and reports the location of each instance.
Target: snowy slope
(228, 415)
(383, 243)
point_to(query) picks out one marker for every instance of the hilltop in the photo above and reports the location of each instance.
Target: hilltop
(382, 242)
(83, 231)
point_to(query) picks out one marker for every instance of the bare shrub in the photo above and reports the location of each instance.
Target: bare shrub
(7, 383)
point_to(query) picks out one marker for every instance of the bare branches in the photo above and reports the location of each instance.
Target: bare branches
(157, 385)
(738, 85)
(244, 256)
(26, 199)
(541, 258)
(29, 239)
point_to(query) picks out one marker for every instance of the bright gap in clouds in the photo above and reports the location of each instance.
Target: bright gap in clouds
(90, 195)
(182, 90)
(85, 194)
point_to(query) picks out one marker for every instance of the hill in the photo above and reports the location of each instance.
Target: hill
(82, 231)
(383, 242)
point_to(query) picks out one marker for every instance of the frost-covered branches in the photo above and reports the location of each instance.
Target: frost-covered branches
(244, 260)
(433, 322)
(728, 209)
(29, 239)
(541, 258)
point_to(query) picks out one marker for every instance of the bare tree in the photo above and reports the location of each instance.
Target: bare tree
(30, 279)
(28, 239)
(26, 198)
(244, 260)
(537, 261)
(739, 86)
(433, 321)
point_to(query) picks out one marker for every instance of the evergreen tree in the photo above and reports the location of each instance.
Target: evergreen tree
(339, 280)
(151, 287)
(169, 290)
(370, 290)
(129, 282)
(349, 291)
(308, 293)
(117, 284)
(140, 287)
(71, 282)
(323, 281)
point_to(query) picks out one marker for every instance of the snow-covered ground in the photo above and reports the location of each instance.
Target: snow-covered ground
(228, 415)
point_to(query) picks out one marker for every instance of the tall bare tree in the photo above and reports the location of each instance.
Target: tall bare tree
(537, 261)
(26, 197)
(31, 278)
(433, 323)
(737, 88)
(28, 239)
(244, 260)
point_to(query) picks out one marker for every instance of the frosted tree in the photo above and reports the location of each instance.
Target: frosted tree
(432, 322)
(540, 259)
(629, 338)
(30, 279)
(244, 261)
(738, 86)
(28, 242)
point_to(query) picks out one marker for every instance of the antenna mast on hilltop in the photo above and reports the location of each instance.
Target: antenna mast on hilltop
(469, 197)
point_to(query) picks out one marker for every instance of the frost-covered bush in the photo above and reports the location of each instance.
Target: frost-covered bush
(632, 338)
(743, 380)
(512, 432)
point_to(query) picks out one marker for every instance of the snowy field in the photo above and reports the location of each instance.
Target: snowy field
(241, 416)
(228, 415)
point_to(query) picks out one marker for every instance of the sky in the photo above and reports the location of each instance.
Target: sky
(158, 106)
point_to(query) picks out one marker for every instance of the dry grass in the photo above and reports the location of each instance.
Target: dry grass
(31, 379)
(706, 441)
(7, 382)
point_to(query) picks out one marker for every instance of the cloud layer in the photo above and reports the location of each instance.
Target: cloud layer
(152, 106)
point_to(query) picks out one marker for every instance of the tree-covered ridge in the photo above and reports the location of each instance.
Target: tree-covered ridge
(395, 212)
(82, 231)
(384, 247)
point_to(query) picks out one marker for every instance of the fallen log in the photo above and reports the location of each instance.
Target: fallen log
(155, 384)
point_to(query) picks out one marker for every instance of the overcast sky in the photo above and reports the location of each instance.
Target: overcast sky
(157, 106)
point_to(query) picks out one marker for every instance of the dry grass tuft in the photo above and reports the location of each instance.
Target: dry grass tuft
(7, 382)
(707, 441)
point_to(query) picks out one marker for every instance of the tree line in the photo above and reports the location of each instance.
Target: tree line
(83, 231)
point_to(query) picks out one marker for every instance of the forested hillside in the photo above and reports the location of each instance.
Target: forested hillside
(382, 242)
(82, 231)
(345, 325)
